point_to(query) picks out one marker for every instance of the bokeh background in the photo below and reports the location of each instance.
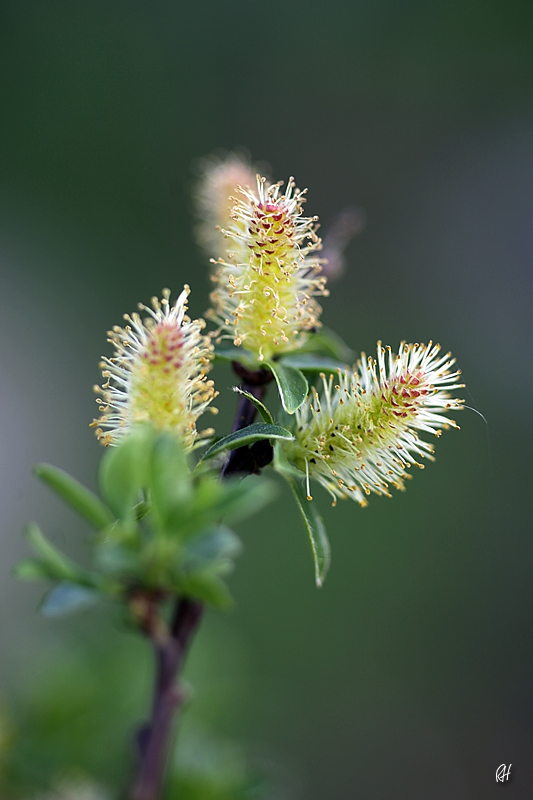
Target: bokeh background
(409, 675)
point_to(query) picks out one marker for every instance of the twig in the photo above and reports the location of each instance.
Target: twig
(170, 642)
(249, 460)
(170, 647)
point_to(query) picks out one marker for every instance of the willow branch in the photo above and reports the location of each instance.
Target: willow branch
(170, 642)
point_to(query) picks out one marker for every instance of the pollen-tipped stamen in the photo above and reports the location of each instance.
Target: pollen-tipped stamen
(360, 435)
(158, 374)
(265, 294)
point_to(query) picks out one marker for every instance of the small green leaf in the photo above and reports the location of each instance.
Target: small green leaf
(312, 363)
(292, 386)
(253, 433)
(228, 352)
(81, 499)
(207, 587)
(315, 529)
(31, 569)
(240, 499)
(330, 343)
(263, 410)
(169, 480)
(124, 471)
(220, 543)
(55, 565)
(66, 598)
(117, 558)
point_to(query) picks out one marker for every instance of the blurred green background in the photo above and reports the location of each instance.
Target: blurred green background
(409, 674)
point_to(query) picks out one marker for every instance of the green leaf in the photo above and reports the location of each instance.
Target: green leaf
(239, 499)
(124, 471)
(207, 587)
(312, 363)
(66, 598)
(253, 433)
(263, 410)
(315, 529)
(327, 341)
(31, 569)
(219, 544)
(228, 352)
(81, 499)
(54, 564)
(292, 385)
(169, 480)
(118, 559)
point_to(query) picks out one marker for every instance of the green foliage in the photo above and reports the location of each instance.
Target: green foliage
(249, 435)
(315, 529)
(263, 410)
(314, 524)
(292, 385)
(51, 563)
(229, 352)
(81, 499)
(66, 597)
(123, 472)
(310, 362)
(165, 535)
(327, 342)
(169, 484)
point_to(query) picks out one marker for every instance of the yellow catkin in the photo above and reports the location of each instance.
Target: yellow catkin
(369, 436)
(157, 375)
(265, 289)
